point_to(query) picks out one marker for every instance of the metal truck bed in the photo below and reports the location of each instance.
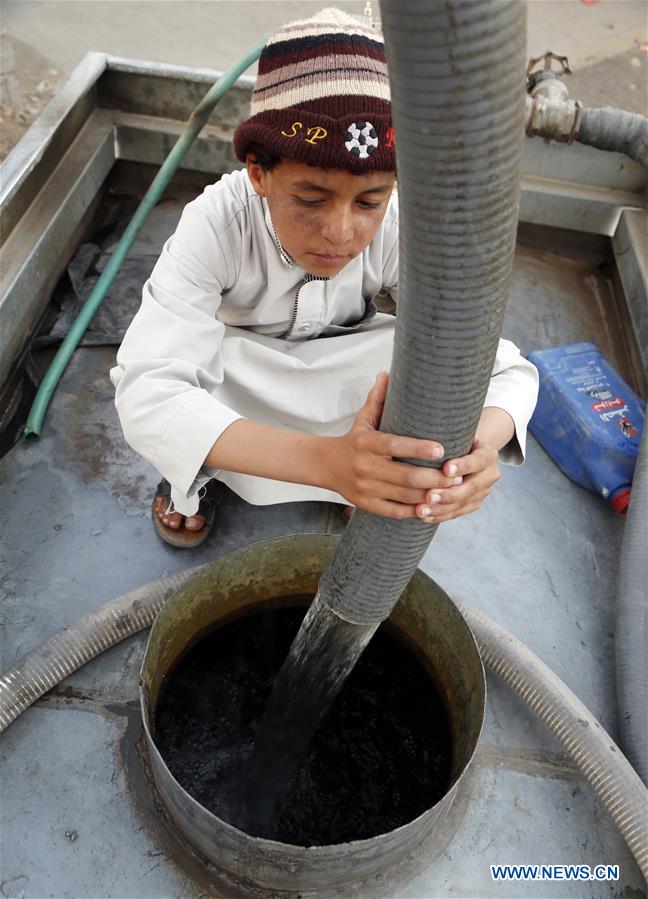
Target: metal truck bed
(79, 819)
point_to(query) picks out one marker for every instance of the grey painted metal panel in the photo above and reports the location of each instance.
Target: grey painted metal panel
(32, 160)
(568, 204)
(630, 244)
(39, 246)
(579, 164)
(143, 139)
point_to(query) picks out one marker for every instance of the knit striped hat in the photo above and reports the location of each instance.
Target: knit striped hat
(322, 96)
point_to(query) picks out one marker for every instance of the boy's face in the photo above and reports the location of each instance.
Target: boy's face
(323, 217)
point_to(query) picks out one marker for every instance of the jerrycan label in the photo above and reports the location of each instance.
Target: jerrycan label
(591, 381)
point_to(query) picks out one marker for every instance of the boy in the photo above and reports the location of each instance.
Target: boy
(257, 340)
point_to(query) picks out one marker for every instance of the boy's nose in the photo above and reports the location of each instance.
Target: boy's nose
(338, 230)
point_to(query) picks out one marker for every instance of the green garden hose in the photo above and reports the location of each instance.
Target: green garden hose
(192, 129)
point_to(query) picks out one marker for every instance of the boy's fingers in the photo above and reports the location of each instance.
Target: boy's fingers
(399, 511)
(400, 474)
(379, 388)
(373, 407)
(451, 501)
(470, 464)
(474, 486)
(406, 447)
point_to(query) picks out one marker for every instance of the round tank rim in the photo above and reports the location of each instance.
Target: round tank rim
(329, 851)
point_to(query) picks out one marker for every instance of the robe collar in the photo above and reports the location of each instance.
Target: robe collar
(286, 258)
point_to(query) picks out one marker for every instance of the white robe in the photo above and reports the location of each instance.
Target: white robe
(230, 327)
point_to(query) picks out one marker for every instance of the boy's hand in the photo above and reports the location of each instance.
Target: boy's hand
(366, 474)
(480, 472)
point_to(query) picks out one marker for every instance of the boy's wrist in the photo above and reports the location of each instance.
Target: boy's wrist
(322, 452)
(496, 427)
(271, 452)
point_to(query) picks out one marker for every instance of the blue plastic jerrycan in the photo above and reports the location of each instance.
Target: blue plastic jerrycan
(588, 420)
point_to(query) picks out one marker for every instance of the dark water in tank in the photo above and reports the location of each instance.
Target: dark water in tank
(380, 757)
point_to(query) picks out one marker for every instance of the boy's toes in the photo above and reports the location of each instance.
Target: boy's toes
(174, 519)
(194, 523)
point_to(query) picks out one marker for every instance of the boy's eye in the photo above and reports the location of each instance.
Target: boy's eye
(364, 204)
(305, 202)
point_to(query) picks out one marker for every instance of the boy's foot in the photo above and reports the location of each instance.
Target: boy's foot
(179, 530)
(175, 519)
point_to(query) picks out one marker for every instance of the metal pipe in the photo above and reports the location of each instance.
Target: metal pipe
(565, 121)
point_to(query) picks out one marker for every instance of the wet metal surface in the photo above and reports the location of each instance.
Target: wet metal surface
(540, 557)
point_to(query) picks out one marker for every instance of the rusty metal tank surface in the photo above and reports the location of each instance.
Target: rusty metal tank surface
(285, 567)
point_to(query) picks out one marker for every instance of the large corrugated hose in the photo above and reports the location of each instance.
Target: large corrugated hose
(598, 758)
(77, 644)
(458, 111)
(455, 71)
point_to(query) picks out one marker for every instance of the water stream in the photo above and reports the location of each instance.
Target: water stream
(320, 659)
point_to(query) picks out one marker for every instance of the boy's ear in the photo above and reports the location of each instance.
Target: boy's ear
(256, 174)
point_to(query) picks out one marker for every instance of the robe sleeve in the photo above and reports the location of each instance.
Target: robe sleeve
(170, 359)
(513, 387)
(514, 383)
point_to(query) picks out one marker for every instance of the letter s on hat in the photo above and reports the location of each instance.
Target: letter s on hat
(295, 130)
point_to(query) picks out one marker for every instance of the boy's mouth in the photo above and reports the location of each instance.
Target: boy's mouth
(329, 261)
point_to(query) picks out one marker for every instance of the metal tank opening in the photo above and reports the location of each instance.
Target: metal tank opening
(238, 597)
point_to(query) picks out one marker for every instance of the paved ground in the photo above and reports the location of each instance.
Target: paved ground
(42, 41)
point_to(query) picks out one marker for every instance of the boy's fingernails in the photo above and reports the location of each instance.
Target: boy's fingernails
(435, 498)
(425, 511)
(437, 452)
(458, 481)
(452, 469)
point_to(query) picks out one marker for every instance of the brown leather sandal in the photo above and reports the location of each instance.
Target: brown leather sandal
(181, 537)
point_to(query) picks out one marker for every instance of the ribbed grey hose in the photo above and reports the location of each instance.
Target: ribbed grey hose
(458, 117)
(602, 764)
(631, 637)
(78, 643)
(615, 130)
(455, 69)
(599, 759)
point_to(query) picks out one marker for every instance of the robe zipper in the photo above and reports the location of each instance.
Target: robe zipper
(293, 318)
